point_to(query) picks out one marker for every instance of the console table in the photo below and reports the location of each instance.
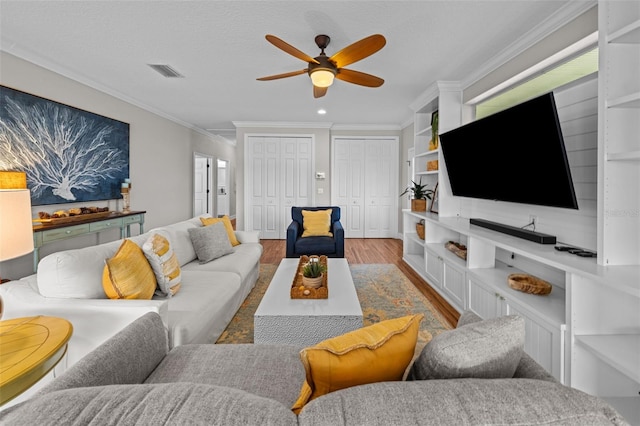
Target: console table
(47, 233)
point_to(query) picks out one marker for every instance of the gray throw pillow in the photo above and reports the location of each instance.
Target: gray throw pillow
(468, 317)
(485, 349)
(210, 242)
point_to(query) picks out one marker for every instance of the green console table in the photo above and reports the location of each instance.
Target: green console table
(47, 233)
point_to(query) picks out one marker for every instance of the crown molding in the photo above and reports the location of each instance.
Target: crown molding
(67, 73)
(281, 124)
(372, 127)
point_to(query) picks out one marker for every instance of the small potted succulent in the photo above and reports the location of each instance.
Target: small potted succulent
(312, 273)
(419, 196)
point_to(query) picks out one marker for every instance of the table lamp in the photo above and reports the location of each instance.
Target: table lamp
(16, 228)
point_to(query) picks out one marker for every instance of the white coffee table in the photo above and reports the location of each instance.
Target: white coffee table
(280, 319)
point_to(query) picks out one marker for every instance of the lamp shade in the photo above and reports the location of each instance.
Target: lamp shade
(16, 228)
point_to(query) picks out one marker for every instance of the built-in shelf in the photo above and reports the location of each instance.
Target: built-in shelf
(621, 156)
(427, 153)
(628, 101)
(627, 34)
(618, 350)
(425, 131)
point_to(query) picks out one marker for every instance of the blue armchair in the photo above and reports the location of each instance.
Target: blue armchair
(328, 246)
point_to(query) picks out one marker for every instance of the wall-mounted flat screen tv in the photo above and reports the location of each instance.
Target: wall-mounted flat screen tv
(516, 155)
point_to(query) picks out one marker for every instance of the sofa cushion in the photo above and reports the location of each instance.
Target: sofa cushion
(460, 402)
(128, 275)
(203, 308)
(210, 242)
(159, 404)
(316, 223)
(485, 349)
(371, 354)
(178, 236)
(272, 371)
(60, 276)
(206, 221)
(164, 263)
(242, 261)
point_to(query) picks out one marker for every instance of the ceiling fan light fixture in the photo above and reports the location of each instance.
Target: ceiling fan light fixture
(322, 77)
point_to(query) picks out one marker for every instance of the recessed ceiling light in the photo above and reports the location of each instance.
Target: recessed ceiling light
(322, 111)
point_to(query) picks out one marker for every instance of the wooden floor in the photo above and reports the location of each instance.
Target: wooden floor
(372, 250)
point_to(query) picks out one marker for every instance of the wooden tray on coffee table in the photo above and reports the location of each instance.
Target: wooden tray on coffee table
(298, 291)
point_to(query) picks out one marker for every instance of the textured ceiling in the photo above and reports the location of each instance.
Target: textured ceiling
(219, 47)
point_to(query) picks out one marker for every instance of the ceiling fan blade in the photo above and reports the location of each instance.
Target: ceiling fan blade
(319, 92)
(358, 50)
(357, 77)
(286, 74)
(283, 45)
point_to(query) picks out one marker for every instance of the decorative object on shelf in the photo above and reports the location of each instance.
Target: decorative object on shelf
(529, 284)
(432, 165)
(420, 229)
(433, 143)
(433, 208)
(301, 288)
(72, 215)
(458, 249)
(419, 195)
(125, 191)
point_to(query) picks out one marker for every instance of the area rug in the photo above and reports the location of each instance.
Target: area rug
(384, 293)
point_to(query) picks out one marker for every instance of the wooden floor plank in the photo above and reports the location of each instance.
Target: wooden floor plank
(368, 251)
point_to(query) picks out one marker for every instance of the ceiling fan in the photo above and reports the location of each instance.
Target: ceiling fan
(323, 69)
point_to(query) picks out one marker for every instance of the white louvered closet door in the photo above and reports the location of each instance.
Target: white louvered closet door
(279, 174)
(365, 185)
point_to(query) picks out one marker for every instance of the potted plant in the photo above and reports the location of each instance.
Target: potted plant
(419, 196)
(312, 274)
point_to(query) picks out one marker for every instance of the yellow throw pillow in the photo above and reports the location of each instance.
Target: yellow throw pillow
(164, 263)
(377, 353)
(316, 223)
(128, 275)
(206, 221)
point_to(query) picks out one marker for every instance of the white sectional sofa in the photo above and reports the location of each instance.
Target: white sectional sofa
(69, 285)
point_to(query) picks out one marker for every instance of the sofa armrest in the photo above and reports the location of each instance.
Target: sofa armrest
(338, 237)
(293, 230)
(128, 357)
(248, 236)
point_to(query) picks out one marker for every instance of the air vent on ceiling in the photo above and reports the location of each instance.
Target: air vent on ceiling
(166, 71)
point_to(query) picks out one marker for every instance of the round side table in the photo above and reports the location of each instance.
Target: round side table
(29, 348)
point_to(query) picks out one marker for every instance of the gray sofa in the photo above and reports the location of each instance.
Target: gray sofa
(134, 378)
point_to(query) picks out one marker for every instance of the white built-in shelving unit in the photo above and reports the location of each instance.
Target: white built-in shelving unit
(587, 331)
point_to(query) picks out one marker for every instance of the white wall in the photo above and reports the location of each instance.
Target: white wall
(577, 111)
(161, 154)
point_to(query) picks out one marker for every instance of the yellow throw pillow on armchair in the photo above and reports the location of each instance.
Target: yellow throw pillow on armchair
(128, 275)
(206, 221)
(376, 353)
(316, 223)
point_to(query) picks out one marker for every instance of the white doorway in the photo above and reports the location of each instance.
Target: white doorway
(222, 192)
(202, 184)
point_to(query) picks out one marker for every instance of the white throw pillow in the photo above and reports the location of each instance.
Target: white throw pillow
(164, 263)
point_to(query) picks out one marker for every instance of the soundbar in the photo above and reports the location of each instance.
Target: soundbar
(536, 237)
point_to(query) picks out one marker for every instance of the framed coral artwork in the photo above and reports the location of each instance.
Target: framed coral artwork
(70, 155)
